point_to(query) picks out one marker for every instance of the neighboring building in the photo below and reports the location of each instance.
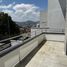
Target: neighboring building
(55, 21)
(25, 30)
(43, 19)
(38, 25)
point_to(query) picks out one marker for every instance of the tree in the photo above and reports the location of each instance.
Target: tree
(7, 26)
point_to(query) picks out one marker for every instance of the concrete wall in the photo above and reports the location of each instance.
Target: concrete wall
(43, 19)
(14, 57)
(54, 18)
(55, 15)
(66, 31)
(55, 37)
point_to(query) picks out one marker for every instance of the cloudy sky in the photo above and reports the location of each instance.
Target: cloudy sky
(23, 10)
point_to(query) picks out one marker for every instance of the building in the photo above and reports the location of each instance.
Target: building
(66, 31)
(43, 19)
(55, 16)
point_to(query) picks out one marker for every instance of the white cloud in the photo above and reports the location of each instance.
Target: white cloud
(10, 12)
(7, 6)
(22, 12)
(22, 6)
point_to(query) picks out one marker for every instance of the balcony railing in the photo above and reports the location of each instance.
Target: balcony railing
(20, 47)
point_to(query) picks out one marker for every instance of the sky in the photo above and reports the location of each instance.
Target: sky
(23, 10)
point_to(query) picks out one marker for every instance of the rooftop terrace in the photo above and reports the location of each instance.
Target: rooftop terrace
(51, 54)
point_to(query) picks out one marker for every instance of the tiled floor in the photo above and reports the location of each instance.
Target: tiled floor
(50, 55)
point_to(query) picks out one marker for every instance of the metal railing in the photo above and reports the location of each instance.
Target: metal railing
(37, 31)
(34, 32)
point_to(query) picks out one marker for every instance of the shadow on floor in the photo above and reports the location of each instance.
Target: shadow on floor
(26, 60)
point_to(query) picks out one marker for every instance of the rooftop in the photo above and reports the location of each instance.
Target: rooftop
(51, 54)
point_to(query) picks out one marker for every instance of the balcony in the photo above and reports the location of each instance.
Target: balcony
(41, 50)
(51, 54)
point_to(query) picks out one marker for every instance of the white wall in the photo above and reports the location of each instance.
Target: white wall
(43, 19)
(55, 16)
(66, 31)
(55, 37)
(11, 59)
(14, 57)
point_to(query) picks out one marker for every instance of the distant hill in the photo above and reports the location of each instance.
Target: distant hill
(27, 23)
